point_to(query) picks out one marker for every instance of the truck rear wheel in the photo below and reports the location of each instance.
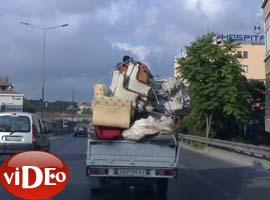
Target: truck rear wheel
(162, 186)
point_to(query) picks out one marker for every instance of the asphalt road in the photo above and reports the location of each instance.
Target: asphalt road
(200, 177)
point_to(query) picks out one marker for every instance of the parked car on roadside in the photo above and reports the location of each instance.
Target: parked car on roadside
(21, 131)
(80, 129)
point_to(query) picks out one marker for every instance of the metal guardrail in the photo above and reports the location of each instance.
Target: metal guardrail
(252, 150)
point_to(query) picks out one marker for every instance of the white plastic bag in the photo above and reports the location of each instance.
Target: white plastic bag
(149, 126)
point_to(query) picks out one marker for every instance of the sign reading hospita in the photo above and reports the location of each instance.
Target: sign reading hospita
(252, 38)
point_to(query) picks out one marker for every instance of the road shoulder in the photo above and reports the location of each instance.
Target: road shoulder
(231, 157)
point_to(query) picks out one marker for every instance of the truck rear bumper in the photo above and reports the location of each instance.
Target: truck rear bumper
(124, 181)
(130, 172)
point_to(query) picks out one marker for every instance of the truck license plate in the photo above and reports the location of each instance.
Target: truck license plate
(131, 172)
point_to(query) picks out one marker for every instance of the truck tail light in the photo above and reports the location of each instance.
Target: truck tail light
(33, 133)
(98, 171)
(170, 172)
(165, 172)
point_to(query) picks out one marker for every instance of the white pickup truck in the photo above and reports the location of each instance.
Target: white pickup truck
(151, 161)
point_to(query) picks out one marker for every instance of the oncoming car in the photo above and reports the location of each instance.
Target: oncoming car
(20, 131)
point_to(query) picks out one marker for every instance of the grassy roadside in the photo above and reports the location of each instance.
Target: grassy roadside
(195, 145)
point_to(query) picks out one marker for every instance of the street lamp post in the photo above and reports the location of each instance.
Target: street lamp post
(43, 29)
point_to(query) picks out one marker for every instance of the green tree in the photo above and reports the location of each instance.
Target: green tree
(257, 91)
(31, 106)
(213, 74)
(52, 107)
(87, 111)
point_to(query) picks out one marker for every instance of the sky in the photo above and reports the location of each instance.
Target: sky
(100, 33)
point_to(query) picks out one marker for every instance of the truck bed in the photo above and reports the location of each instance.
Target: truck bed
(156, 152)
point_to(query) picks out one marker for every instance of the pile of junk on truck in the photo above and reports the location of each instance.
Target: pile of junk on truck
(136, 105)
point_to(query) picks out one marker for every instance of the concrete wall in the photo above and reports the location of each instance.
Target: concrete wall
(11, 99)
(266, 10)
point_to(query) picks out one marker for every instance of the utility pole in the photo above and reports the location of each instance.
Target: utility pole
(43, 29)
(73, 106)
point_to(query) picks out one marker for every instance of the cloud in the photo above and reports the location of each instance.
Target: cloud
(140, 51)
(114, 13)
(209, 7)
(110, 14)
(101, 32)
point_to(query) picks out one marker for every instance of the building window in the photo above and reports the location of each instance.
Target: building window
(245, 54)
(244, 68)
(239, 54)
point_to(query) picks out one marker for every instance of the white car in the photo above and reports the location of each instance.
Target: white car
(20, 131)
